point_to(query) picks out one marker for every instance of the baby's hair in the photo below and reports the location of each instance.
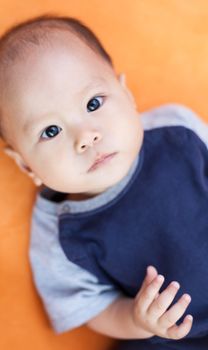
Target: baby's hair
(34, 32)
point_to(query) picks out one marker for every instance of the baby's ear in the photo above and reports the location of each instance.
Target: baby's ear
(17, 158)
(21, 164)
(122, 79)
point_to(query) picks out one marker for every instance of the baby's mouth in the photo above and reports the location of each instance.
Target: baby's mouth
(101, 160)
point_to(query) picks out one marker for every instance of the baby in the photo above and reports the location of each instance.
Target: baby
(123, 196)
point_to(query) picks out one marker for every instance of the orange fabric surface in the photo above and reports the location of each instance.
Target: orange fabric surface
(162, 47)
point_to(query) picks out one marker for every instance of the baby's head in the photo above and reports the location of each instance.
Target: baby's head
(63, 108)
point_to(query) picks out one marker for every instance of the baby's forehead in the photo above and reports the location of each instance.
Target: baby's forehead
(59, 42)
(65, 51)
(63, 59)
(50, 46)
(46, 74)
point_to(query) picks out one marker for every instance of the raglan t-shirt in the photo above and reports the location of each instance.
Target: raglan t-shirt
(85, 254)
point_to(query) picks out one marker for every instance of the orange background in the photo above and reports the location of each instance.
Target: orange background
(162, 47)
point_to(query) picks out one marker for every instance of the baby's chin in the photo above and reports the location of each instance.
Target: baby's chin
(99, 180)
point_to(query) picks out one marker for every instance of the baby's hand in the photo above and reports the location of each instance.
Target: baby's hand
(150, 308)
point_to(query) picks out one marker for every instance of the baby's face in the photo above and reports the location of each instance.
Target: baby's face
(66, 109)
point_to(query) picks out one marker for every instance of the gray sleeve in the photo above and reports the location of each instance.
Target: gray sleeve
(175, 115)
(70, 294)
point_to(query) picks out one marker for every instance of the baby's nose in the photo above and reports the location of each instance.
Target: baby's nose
(87, 139)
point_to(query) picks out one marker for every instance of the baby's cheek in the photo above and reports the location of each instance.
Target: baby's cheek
(135, 135)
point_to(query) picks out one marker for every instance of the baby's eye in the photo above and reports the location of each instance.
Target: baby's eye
(51, 131)
(95, 103)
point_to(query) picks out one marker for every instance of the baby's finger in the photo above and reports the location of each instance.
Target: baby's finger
(149, 293)
(161, 303)
(175, 312)
(151, 273)
(178, 332)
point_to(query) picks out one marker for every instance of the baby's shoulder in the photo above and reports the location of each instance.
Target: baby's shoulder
(174, 114)
(169, 115)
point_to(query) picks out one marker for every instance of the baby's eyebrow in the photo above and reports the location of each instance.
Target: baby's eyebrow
(95, 84)
(31, 122)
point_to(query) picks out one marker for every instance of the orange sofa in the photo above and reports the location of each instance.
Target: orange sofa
(162, 48)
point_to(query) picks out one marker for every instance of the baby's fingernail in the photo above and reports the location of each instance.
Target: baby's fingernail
(187, 298)
(160, 278)
(150, 268)
(189, 318)
(175, 284)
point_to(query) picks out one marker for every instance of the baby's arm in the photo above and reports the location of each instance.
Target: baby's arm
(146, 315)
